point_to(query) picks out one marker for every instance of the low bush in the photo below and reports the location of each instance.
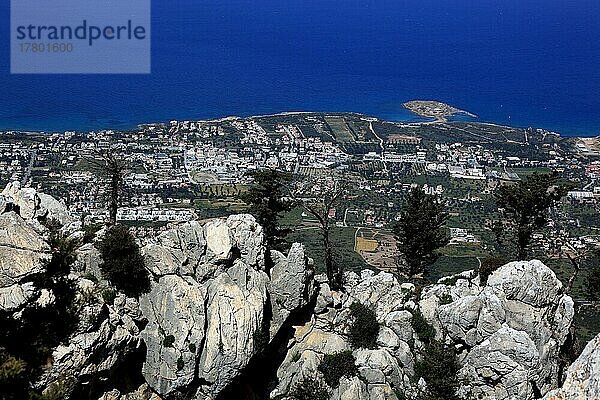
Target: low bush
(310, 389)
(89, 232)
(122, 263)
(168, 341)
(109, 295)
(445, 299)
(364, 327)
(424, 330)
(439, 367)
(13, 377)
(334, 366)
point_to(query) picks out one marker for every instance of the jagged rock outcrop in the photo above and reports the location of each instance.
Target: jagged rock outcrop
(105, 336)
(383, 369)
(509, 332)
(30, 205)
(214, 306)
(23, 254)
(142, 393)
(209, 310)
(583, 376)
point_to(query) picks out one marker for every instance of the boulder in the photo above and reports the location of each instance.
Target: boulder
(176, 321)
(291, 284)
(23, 253)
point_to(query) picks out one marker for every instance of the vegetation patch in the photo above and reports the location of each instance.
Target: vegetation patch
(310, 389)
(168, 341)
(439, 367)
(336, 365)
(122, 262)
(424, 330)
(364, 327)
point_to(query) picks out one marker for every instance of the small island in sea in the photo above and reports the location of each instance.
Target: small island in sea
(435, 109)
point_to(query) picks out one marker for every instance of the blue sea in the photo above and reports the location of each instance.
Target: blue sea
(517, 62)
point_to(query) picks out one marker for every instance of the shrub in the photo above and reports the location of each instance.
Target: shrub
(60, 390)
(192, 348)
(168, 341)
(334, 366)
(180, 364)
(364, 328)
(296, 357)
(489, 265)
(122, 263)
(310, 389)
(12, 375)
(424, 330)
(400, 395)
(90, 277)
(26, 343)
(439, 367)
(109, 295)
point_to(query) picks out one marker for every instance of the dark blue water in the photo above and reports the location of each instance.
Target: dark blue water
(518, 62)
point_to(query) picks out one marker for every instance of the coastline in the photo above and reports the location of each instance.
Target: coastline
(406, 117)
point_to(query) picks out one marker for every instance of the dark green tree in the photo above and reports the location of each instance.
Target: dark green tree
(122, 263)
(107, 164)
(526, 204)
(439, 367)
(266, 197)
(364, 327)
(420, 231)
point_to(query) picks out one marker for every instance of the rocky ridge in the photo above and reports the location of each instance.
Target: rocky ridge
(214, 307)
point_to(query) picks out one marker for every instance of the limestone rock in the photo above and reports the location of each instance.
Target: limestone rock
(15, 296)
(521, 307)
(96, 351)
(180, 251)
(291, 284)
(142, 393)
(176, 320)
(23, 253)
(30, 204)
(25, 201)
(206, 310)
(583, 376)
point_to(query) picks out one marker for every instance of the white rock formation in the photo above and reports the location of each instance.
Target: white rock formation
(583, 376)
(206, 311)
(509, 332)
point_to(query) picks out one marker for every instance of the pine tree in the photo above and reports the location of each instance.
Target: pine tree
(267, 203)
(420, 231)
